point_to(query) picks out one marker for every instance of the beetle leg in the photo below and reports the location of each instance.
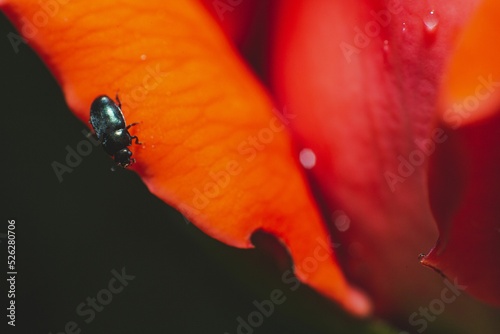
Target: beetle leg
(137, 142)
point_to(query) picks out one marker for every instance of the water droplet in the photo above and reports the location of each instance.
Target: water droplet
(144, 56)
(307, 158)
(386, 46)
(431, 21)
(404, 27)
(341, 220)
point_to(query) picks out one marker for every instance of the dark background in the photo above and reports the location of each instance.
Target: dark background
(70, 235)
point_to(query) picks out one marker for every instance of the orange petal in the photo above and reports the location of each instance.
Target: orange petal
(233, 17)
(471, 87)
(212, 146)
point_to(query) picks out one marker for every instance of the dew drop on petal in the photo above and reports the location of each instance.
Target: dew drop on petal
(431, 21)
(404, 27)
(144, 56)
(307, 158)
(341, 220)
(386, 46)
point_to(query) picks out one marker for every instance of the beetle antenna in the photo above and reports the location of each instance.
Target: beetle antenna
(118, 99)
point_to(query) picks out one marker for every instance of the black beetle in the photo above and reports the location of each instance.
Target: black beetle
(108, 122)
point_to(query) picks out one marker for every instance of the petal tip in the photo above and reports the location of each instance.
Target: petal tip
(359, 304)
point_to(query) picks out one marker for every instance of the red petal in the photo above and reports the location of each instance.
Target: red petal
(467, 202)
(211, 145)
(469, 243)
(367, 110)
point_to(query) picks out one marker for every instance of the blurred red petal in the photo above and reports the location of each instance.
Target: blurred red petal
(469, 242)
(364, 78)
(466, 181)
